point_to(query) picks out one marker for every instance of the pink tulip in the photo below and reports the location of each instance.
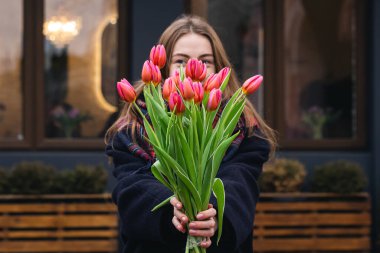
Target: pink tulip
(126, 91)
(151, 73)
(214, 99)
(198, 92)
(252, 84)
(196, 70)
(176, 77)
(186, 89)
(176, 104)
(168, 88)
(157, 77)
(223, 73)
(158, 56)
(212, 82)
(146, 73)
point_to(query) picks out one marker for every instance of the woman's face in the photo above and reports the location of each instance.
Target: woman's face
(189, 46)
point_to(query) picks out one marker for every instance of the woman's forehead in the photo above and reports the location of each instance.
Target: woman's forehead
(192, 45)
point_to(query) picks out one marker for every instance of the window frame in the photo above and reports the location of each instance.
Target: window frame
(274, 100)
(273, 62)
(32, 80)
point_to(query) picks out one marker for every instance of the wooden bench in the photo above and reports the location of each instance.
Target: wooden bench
(63, 223)
(309, 222)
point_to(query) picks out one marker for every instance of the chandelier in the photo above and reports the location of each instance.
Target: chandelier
(60, 30)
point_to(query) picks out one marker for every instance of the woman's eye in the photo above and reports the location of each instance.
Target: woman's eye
(208, 62)
(180, 61)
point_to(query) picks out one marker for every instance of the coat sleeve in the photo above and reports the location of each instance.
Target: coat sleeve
(136, 192)
(239, 175)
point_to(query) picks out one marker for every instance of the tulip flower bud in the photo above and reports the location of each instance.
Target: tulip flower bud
(126, 91)
(176, 77)
(157, 77)
(158, 56)
(186, 89)
(214, 99)
(176, 103)
(196, 70)
(252, 84)
(146, 73)
(151, 73)
(168, 88)
(212, 82)
(198, 92)
(223, 73)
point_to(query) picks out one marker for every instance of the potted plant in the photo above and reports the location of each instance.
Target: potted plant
(334, 218)
(282, 175)
(46, 210)
(343, 177)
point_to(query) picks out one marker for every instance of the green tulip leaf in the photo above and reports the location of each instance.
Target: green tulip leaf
(179, 172)
(166, 201)
(218, 190)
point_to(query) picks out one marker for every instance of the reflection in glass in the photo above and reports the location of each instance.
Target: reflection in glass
(80, 60)
(109, 51)
(319, 69)
(11, 36)
(240, 26)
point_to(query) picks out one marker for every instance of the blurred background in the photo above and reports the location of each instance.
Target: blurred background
(60, 60)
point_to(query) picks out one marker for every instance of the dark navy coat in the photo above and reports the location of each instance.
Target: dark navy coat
(137, 192)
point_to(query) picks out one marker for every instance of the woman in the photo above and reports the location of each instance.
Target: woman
(137, 191)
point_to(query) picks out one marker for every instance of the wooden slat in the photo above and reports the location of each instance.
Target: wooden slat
(310, 195)
(312, 222)
(60, 207)
(53, 221)
(41, 227)
(81, 197)
(59, 246)
(313, 206)
(294, 245)
(311, 231)
(309, 219)
(112, 233)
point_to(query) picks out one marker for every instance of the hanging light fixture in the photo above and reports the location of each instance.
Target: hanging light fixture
(61, 29)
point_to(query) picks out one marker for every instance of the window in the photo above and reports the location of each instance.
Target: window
(316, 73)
(311, 53)
(63, 66)
(11, 56)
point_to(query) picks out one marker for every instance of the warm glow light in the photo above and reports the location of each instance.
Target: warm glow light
(61, 30)
(98, 67)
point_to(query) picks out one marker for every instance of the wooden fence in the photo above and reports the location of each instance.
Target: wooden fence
(66, 223)
(88, 223)
(308, 222)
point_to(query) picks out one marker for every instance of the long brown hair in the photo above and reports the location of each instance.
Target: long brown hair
(191, 24)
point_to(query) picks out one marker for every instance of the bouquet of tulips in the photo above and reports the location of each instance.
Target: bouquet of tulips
(188, 144)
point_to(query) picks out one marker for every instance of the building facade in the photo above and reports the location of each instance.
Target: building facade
(60, 59)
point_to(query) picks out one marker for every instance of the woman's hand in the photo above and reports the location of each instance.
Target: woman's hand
(205, 225)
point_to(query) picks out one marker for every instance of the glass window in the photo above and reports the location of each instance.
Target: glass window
(11, 56)
(79, 67)
(319, 62)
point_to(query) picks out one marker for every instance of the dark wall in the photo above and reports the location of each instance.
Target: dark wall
(149, 20)
(374, 64)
